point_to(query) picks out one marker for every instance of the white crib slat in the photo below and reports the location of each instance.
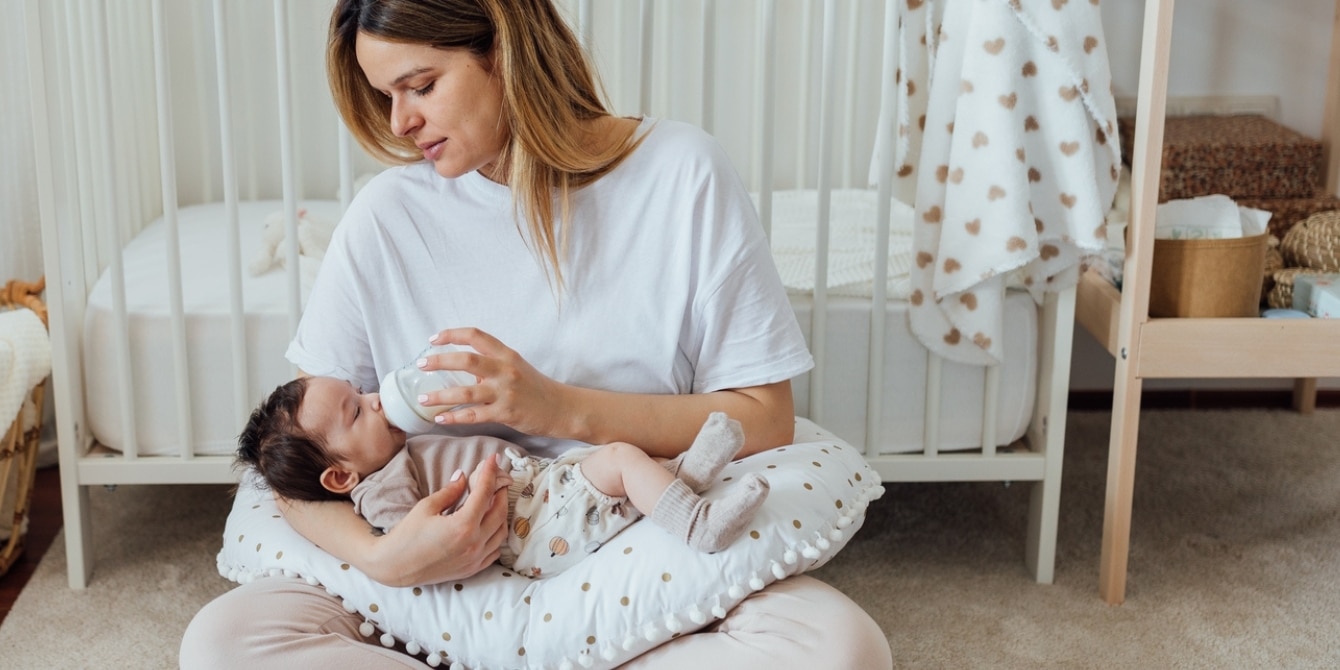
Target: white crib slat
(254, 120)
(585, 23)
(286, 147)
(990, 409)
(931, 426)
(663, 61)
(819, 315)
(804, 78)
(874, 394)
(766, 108)
(65, 292)
(707, 113)
(139, 76)
(77, 42)
(849, 90)
(111, 240)
(200, 31)
(646, 12)
(345, 145)
(228, 169)
(166, 158)
(116, 107)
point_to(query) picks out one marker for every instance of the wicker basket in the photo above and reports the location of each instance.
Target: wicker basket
(1281, 293)
(1314, 243)
(18, 451)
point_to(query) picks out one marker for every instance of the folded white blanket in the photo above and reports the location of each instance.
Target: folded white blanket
(25, 359)
(1008, 131)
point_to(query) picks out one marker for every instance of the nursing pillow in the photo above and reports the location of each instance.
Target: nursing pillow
(639, 590)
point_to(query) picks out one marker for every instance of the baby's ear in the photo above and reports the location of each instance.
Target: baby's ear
(338, 480)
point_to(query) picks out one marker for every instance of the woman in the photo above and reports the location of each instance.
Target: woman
(612, 276)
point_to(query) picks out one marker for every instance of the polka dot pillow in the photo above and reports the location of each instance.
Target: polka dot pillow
(642, 588)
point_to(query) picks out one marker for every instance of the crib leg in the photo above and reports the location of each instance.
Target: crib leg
(1046, 432)
(78, 530)
(1043, 508)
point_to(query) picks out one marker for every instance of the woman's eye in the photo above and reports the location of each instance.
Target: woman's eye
(426, 89)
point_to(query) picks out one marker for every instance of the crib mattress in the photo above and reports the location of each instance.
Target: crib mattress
(216, 417)
(963, 387)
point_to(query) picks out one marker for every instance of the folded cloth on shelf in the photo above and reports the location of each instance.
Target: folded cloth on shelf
(1007, 130)
(25, 359)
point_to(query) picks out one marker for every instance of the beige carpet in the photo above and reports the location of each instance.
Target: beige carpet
(1235, 562)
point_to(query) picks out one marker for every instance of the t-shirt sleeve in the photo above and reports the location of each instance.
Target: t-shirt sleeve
(386, 496)
(384, 503)
(332, 336)
(743, 330)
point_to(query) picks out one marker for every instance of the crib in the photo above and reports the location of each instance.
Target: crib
(154, 198)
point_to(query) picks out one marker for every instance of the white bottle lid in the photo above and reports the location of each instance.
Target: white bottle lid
(398, 410)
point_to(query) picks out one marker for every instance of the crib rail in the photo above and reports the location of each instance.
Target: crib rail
(204, 102)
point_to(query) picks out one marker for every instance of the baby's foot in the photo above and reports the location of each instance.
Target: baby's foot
(717, 443)
(713, 525)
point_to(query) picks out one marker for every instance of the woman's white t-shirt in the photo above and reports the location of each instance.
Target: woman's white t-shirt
(669, 283)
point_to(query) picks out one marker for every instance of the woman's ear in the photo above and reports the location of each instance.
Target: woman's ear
(338, 480)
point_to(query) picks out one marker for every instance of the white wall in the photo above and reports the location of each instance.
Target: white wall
(1220, 47)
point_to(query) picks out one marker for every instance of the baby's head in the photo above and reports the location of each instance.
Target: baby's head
(315, 438)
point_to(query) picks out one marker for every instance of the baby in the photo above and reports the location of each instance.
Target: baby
(318, 438)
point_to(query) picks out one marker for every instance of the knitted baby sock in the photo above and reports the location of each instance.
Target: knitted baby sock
(717, 443)
(705, 525)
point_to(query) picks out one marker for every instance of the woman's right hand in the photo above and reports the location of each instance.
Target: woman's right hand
(427, 547)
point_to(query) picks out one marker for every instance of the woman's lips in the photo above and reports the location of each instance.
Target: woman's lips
(434, 150)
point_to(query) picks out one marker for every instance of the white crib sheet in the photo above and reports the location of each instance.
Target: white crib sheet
(216, 419)
(904, 389)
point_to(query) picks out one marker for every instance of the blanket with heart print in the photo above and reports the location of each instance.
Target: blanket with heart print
(1006, 144)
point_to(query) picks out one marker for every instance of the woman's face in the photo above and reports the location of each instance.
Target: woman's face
(355, 429)
(448, 101)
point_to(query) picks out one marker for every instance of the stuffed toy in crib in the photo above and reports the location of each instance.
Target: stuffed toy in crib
(313, 237)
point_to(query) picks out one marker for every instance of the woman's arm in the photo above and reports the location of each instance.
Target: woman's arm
(426, 547)
(512, 392)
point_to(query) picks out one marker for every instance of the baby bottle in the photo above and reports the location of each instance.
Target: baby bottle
(401, 389)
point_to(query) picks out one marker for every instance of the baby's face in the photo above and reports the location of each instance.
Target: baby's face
(356, 431)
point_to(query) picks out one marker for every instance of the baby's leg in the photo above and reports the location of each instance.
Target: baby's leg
(620, 469)
(717, 443)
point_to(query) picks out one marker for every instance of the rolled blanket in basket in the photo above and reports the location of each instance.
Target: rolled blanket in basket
(25, 359)
(1008, 131)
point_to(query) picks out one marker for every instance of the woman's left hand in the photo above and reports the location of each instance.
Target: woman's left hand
(509, 390)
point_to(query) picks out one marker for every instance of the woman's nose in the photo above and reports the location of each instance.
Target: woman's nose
(404, 120)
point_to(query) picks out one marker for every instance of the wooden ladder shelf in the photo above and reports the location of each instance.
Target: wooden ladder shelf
(1147, 348)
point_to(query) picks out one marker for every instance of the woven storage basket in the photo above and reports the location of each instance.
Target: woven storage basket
(1314, 243)
(1274, 263)
(18, 451)
(1281, 294)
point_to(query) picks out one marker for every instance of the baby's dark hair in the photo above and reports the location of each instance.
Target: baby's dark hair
(288, 458)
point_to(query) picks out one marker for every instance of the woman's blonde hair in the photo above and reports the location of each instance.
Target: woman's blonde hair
(550, 93)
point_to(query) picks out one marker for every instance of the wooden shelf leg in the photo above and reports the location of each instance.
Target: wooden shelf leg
(1305, 395)
(1120, 484)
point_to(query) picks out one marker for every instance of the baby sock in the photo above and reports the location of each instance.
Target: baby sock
(717, 443)
(710, 525)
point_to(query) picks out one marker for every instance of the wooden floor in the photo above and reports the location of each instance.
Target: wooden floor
(44, 523)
